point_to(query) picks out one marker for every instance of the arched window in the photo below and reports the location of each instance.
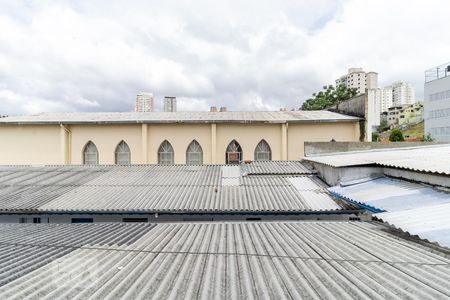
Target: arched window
(262, 151)
(90, 154)
(234, 153)
(123, 154)
(165, 153)
(194, 154)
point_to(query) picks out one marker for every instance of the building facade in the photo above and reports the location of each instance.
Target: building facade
(437, 103)
(168, 138)
(359, 79)
(144, 102)
(398, 94)
(404, 115)
(170, 104)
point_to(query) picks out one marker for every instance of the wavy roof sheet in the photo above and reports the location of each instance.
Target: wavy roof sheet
(276, 167)
(414, 208)
(180, 117)
(431, 159)
(216, 261)
(156, 188)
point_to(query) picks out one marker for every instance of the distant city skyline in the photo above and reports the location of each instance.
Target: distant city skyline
(257, 55)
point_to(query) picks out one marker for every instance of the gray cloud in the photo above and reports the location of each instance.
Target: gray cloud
(96, 55)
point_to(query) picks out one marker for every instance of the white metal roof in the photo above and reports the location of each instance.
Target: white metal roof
(155, 188)
(433, 159)
(414, 208)
(179, 117)
(289, 260)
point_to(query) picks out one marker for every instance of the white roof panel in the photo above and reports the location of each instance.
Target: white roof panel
(432, 159)
(414, 208)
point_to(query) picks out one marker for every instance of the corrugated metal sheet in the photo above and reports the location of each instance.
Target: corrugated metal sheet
(433, 159)
(171, 117)
(276, 167)
(155, 188)
(290, 260)
(414, 208)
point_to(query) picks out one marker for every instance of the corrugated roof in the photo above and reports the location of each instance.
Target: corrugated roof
(285, 167)
(432, 159)
(179, 117)
(217, 261)
(414, 208)
(156, 188)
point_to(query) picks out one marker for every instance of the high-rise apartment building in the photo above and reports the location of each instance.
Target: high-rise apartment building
(144, 102)
(170, 104)
(437, 103)
(359, 79)
(398, 94)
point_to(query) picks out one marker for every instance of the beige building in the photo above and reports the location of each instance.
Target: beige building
(360, 80)
(180, 138)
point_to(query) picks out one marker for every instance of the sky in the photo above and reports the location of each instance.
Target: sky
(74, 56)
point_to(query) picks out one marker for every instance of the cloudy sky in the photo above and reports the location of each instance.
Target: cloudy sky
(244, 54)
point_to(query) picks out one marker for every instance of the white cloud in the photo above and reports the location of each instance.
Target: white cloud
(96, 55)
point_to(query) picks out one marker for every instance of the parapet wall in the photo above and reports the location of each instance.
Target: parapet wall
(312, 148)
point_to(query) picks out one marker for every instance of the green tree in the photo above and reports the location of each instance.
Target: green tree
(329, 96)
(428, 138)
(375, 137)
(383, 125)
(396, 136)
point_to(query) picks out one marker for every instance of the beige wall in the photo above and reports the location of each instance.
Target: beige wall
(30, 144)
(106, 138)
(319, 132)
(248, 136)
(179, 136)
(54, 144)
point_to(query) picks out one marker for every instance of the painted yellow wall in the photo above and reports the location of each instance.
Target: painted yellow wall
(248, 136)
(37, 144)
(106, 138)
(179, 136)
(52, 144)
(319, 132)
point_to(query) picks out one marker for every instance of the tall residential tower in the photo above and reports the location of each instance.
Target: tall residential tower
(170, 104)
(144, 102)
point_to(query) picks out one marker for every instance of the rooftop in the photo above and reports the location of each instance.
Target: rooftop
(277, 260)
(415, 208)
(429, 159)
(180, 117)
(159, 188)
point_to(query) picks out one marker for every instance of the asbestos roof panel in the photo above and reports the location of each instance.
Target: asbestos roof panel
(179, 117)
(276, 167)
(430, 159)
(156, 188)
(277, 260)
(414, 208)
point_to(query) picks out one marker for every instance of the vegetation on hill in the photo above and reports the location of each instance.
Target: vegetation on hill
(396, 136)
(329, 96)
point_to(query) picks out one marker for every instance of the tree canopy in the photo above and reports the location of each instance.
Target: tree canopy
(329, 96)
(396, 136)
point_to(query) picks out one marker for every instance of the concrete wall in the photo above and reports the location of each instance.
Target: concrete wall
(312, 148)
(54, 144)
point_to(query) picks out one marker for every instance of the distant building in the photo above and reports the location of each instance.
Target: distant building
(144, 102)
(437, 102)
(170, 104)
(398, 94)
(403, 115)
(359, 79)
(213, 109)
